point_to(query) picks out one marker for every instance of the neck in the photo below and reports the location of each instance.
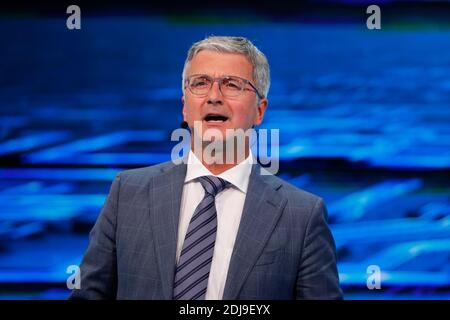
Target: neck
(217, 167)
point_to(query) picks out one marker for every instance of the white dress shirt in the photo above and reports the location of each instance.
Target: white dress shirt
(229, 206)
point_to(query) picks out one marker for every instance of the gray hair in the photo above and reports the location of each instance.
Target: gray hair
(241, 45)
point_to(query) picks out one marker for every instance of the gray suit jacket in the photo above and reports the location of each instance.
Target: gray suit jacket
(283, 250)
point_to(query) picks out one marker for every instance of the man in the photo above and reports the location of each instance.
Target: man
(212, 230)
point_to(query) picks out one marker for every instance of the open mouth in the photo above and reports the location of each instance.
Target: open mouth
(215, 118)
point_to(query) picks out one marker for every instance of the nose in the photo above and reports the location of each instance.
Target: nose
(215, 95)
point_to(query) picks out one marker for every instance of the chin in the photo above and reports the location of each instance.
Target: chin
(209, 136)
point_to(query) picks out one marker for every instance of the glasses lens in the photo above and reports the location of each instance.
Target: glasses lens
(232, 86)
(200, 84)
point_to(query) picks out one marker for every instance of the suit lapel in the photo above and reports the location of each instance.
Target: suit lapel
(262, 209)
(165, 196)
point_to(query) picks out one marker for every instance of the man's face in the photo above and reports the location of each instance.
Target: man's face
(242, 111)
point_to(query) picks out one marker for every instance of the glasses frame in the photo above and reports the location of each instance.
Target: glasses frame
(219, 80)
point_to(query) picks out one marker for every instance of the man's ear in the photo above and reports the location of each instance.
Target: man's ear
(260, 111)
(184, 108)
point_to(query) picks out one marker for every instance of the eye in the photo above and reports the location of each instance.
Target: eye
(200, 82)
(232, 84)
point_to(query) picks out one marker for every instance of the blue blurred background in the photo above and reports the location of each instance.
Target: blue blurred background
(364, 119)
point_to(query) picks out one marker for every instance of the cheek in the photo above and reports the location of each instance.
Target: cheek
(192, 107)
(244, 113)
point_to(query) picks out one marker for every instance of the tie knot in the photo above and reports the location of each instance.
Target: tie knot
(213, 185)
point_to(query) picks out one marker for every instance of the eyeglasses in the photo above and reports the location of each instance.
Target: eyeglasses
(229, 86)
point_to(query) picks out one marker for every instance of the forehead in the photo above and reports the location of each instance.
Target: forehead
(218, 64)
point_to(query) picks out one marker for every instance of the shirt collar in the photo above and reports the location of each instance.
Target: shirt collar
(238, 175)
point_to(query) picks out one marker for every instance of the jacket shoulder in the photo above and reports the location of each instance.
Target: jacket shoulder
(143, 175)
(295, 195)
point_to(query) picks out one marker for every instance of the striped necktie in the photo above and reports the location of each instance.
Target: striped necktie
(194, 264)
